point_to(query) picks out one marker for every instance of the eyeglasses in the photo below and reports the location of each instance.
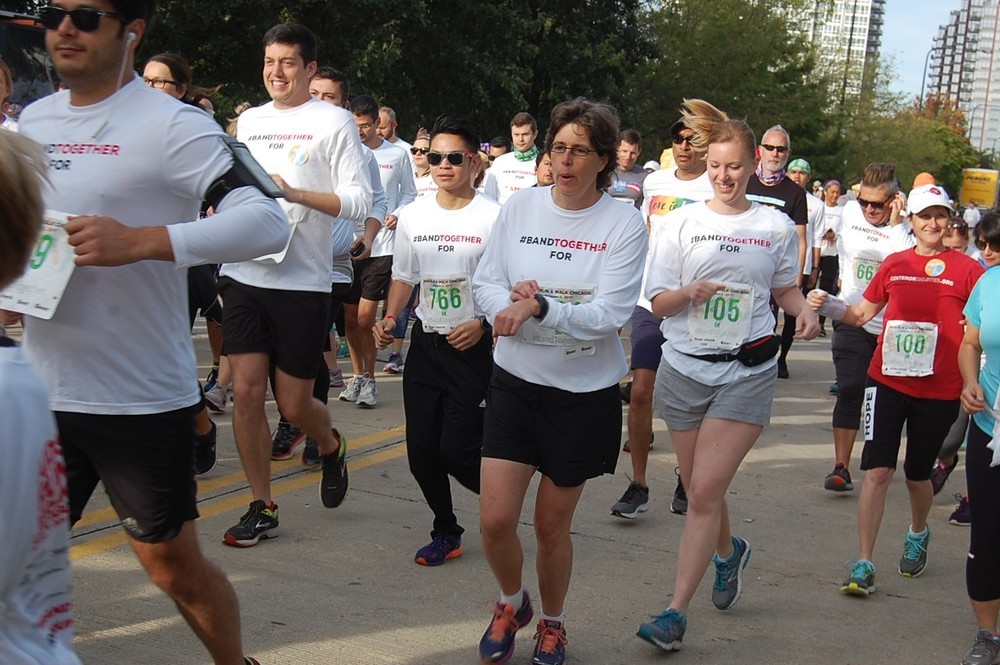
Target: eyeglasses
(780, 149)
(454, 158)
(158, 83)
(681, 140)
(419, 151)
(982, 244)
(84, 19)
(365, 126)
(576, 151)
(875, 205)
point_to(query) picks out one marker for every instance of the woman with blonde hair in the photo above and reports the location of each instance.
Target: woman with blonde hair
(712, 269)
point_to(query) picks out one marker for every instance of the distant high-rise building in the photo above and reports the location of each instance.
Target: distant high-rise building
(847, 35)
(965, 67)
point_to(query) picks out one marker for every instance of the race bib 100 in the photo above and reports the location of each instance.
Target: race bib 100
(908, 348)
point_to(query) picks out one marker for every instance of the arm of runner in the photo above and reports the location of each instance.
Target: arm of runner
(466, 335)
(669, 303)
(399, 293)
(835, 308)
(969, 353)
(791, 300)
(372, 227)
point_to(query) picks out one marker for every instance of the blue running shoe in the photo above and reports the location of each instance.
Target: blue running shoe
(550, 644)
(666, 630)
(861, 581)
(497, 644)
(729, 575)
(914, 558)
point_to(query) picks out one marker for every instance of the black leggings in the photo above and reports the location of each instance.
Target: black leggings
(982, 567)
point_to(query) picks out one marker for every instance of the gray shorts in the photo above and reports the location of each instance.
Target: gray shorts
(684, 402)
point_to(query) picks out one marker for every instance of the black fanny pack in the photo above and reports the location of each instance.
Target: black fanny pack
(751, 354)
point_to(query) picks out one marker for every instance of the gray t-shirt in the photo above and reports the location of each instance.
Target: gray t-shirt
(627, 185)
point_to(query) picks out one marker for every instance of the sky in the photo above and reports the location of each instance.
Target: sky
(908, 34)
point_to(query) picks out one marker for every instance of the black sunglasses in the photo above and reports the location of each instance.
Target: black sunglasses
(780, 149)
(982, 245)
(876, 205)
(419, 151)
(85, 19)
(454, 158)
(679, 140)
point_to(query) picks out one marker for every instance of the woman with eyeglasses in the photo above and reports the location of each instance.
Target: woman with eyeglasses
(560, 276)
(712, 270)
(171, 73)
(913, 378)
(981, 377)
(422, 169)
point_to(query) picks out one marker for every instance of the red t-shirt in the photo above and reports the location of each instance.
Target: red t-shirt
(930, 289)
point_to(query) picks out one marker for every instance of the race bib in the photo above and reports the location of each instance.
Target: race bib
(575, 294)
(723, 321)
(864, 270)
(908, 348)
(40, 290)
(445, 302)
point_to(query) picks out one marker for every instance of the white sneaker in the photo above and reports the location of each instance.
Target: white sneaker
(352, 387)
(216, 399)
(368, 394)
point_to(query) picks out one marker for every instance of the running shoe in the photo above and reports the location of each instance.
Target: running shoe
(914, 558)
(368, 394)
(635, 500)
(212, 378)
(729, 575)
(336, 378)
(666, 630)
(284, 439)
(342, 350)
(334, 483)
(679, 504)
(783, 370)
(861, 581)
(215, 398)
(259, 521)
(834, 389)
(985, 649)
(550, 643)
(961, 515)
(204, 450)
(939, 476)
(822, 332)
(310, 452)
(439, 550)
(394, 365)
(838, 480)
(351, 389)
(497, 643)
(247, 660)
(627, 448)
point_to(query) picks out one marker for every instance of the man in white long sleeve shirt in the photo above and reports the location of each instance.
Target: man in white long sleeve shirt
(133, 196)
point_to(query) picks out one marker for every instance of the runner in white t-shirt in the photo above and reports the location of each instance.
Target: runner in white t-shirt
(663, 191)
(514, 170)
(711, 273)
(439, 241)
(559, 278)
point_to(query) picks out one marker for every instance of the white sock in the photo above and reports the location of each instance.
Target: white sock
(516, 601)
(559, 619)
(918, 535)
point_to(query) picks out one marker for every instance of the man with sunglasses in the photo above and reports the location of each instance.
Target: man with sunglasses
(773, 188)
(514, 170)
(663, 191)
(865, 237)
(126, 300)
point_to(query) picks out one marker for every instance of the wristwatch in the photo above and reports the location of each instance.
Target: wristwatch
(543, 305)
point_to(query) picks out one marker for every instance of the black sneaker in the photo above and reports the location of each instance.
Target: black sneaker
(940, 473)
(783, 369)
(259, 521)
(310, 452)
(679, 504)
(333, 485)
(838, 480)
(634, 501)
(204, 450)
(961, 515)
(284, 439)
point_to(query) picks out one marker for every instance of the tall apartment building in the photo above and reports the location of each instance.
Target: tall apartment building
(848, 35)
(965, 67)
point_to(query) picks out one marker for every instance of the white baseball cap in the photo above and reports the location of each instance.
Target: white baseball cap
(925, 196)
(651, 165)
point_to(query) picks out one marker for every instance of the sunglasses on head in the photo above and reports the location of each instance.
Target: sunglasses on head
(419, 151)
(958, 224)
(84, 19)
(680, 140)
(780, 149)
(981, 244)
(454, 158)
(875, 205)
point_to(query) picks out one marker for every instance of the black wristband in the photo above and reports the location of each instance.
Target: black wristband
(543, 305)
(487, 328)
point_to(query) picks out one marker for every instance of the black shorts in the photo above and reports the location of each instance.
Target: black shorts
(852, 350)
(647, 340)
(203, 294)
(371, 279)
(927, 423)
(339, 294)
(289, 326)
(569, 437)
(145, 462)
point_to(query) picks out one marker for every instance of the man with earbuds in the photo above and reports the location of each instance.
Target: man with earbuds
(132, 198)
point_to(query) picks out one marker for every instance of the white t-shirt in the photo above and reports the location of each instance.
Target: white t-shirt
(595, 256)
(662, 192)
(36, 611)
(432, 242)
(104, 159)
(425, 185)
(396, 172)
(345, 235)
(759, 248)
(508, 175)
(831, 222)
(814, 230)
(862, 247)
(8, 123)
(313, 146)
